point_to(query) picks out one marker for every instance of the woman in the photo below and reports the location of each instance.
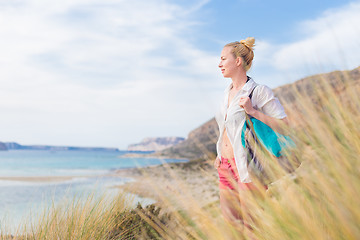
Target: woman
(231, 162)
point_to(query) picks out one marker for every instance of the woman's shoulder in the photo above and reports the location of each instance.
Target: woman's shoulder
(262, 91)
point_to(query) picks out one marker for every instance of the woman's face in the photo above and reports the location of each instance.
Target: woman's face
(228, 63)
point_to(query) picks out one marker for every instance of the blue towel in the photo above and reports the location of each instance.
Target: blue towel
(273, 142)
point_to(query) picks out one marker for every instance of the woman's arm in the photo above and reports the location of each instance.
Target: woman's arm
(278, 125)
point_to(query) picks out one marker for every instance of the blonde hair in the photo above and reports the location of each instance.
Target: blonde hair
(244, 49)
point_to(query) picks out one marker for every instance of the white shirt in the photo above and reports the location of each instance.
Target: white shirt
(263, 99)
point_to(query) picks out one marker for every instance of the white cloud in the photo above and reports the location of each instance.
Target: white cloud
(329, 42)
(110, 72)
(102, 73)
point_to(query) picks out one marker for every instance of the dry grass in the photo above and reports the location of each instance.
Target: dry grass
(319, 203)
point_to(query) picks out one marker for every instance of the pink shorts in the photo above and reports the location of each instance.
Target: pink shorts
(228, 177)
(227, 174)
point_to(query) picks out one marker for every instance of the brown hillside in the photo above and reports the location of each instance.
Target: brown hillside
(201, 141)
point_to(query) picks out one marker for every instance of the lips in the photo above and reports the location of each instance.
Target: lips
(222, 70)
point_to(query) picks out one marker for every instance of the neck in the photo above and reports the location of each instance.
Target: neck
(239, 80)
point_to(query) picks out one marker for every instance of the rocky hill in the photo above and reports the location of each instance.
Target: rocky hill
(155, 144)
(201, 142)
(337, 80)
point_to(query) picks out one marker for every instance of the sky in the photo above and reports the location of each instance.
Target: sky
(109, 73)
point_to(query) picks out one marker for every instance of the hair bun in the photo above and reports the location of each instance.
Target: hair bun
(249, 42)
(243, 49)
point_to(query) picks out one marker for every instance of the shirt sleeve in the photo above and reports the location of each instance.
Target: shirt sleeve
(268, 103)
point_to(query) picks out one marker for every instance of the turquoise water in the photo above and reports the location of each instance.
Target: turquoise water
(19, 198)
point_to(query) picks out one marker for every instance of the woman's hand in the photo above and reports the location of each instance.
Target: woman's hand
(245, 103)
(217, 162)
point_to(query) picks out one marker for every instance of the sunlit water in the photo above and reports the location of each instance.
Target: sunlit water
(19, 199)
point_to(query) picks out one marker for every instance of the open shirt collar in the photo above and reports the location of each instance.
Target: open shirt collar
(249, 85)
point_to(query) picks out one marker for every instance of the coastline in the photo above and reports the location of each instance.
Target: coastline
(197, 178)
(194, 181)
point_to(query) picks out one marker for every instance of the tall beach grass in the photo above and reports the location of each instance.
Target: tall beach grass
(318, 201)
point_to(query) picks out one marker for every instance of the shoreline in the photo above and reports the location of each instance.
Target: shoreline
(157, 184)
(194, 177)
(128, 172)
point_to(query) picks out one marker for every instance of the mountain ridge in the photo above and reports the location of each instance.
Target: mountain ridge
(201, 142)
(155, 143)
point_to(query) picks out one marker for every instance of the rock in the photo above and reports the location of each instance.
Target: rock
(3, 147)
(155, 144)
(201, 143)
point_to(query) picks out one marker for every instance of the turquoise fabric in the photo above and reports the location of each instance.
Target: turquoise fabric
(273, 142)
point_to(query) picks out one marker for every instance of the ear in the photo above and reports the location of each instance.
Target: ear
(238, 61)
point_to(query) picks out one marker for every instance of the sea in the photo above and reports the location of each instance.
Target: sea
(21, 200)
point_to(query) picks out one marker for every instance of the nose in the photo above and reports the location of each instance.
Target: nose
(220, 64)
